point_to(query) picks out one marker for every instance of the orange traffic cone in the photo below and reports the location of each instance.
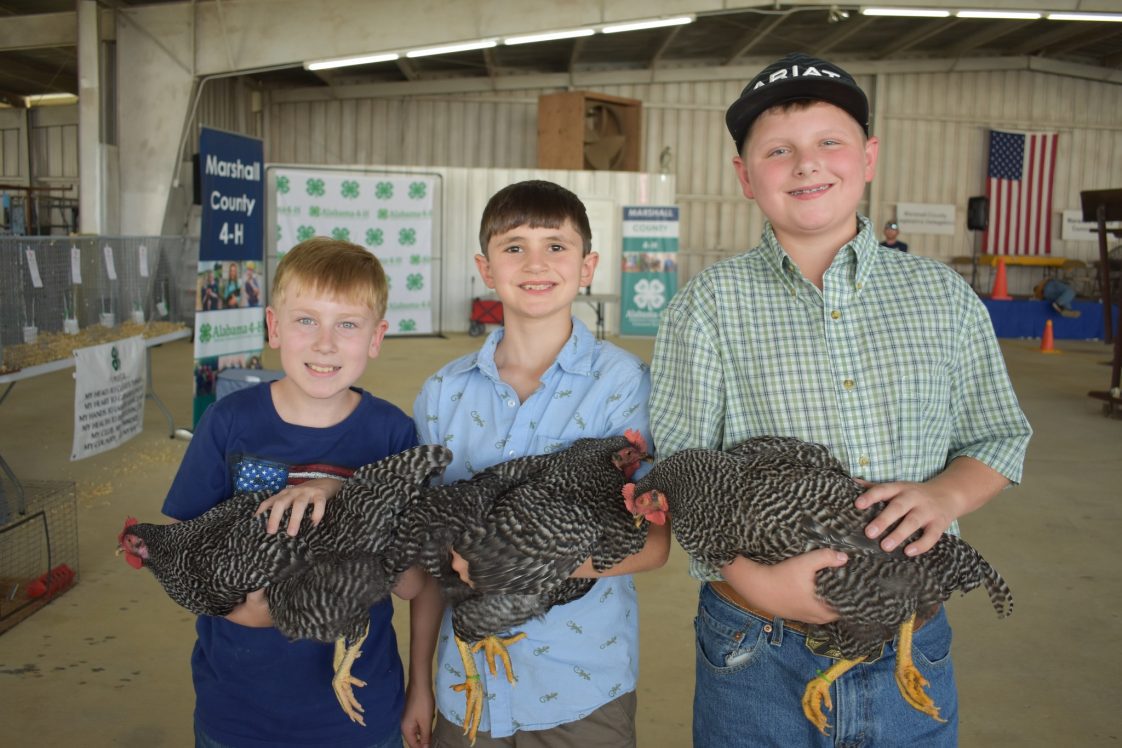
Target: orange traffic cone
(999, 291)
(1047, 345)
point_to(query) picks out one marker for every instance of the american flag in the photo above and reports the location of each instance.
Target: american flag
(1019, 188)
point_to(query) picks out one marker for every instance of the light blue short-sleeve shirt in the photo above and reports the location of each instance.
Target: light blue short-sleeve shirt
(582, 655)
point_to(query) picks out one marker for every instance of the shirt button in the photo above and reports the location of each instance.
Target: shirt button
(848, 384)
(863, 461)
(835, 314)
(859, 286)
(510, 403)
(511, 454)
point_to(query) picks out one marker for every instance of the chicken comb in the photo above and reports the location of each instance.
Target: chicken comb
(636, 439)
(131, 558)
(629, 497)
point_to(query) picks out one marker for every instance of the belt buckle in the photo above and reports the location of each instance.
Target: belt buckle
(822, 647)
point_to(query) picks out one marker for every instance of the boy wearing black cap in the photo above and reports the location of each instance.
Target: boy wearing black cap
(891, 231)
(819, 333)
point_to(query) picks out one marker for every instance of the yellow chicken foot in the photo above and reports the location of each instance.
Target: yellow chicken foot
(343, 683)
(908, 678)
(817, 693)
(495, 646)
(472, 690)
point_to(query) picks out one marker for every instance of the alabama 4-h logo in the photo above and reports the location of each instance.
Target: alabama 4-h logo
(650, 293)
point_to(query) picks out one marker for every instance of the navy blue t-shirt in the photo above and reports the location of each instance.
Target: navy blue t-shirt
(253, 687)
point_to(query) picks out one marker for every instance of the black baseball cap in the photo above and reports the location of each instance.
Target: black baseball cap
(796, 76)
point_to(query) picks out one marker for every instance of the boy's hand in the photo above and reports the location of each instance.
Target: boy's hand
(786, 589)
(254, 612)
(416, 720)
(460, 566)
(315, 493)
(916, 506)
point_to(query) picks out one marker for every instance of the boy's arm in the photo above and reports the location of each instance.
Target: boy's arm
(425, 612)
(653, 556)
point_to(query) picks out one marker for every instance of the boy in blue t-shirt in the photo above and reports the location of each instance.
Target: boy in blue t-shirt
(537, 384)
(253, 687)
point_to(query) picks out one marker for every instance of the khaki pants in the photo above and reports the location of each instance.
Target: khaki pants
(610, 726)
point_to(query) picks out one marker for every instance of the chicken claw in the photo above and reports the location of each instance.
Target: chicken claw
(472, 690)
(495, 646)
(343, 683)
(817, 693)
(908, 678)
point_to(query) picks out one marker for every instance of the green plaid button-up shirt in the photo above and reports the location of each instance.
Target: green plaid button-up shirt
(893, 364)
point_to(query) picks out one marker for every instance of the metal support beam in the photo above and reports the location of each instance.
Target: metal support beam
(752, 38)
(844, 30)
(925, 31)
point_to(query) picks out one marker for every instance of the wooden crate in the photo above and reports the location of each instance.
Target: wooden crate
(561, 129)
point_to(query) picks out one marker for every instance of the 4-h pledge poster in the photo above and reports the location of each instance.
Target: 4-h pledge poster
(110, 385)
(392, 215)
(650, 266)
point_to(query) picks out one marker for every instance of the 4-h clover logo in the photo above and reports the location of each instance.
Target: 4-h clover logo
(383, 190)
(205, 332)
(650, 293)
(341, 234)
(279, 232)
(304, 233)
(283, 186)
(406, 325)
(350, 189)
(406, 237)
(374, 237)
(315, 187)
(115, 358)
(417, 190)
(414, 281)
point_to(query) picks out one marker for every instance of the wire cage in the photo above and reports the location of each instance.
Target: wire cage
(62, 293)
(38, 548)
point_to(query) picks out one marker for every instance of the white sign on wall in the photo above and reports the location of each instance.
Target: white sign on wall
(111, 382)
(392, 215)
(925, 218)
(1074, 228)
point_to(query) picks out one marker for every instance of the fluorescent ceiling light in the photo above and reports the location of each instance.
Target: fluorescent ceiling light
(1012, 15)
(656, 23)
(549, 37)
(49, 99)
(1116, 17)
(343, 62)
(450, 48)
(907, 12)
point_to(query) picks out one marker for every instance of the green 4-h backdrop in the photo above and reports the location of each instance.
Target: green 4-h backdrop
(395, 216)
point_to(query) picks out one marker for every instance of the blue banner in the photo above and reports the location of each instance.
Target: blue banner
(233, 196)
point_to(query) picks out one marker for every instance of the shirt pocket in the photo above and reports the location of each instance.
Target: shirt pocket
(923, 430)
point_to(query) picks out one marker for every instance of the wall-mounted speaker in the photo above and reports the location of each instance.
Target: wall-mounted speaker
(978, 213)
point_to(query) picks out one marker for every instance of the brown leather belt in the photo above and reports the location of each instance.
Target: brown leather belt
(725, 591)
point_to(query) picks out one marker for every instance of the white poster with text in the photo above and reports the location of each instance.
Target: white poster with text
(111, 382)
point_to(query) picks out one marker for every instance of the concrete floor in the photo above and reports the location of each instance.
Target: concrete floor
(107, 662)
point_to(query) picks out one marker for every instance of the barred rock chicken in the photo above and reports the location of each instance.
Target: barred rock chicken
(771, 498)
(320, 584)
(523, 526)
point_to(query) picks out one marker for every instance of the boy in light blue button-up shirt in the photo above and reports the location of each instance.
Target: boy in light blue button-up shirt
(538, 384)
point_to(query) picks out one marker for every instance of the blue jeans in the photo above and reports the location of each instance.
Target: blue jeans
(1059, 292)
(751, 674)
(202, 740)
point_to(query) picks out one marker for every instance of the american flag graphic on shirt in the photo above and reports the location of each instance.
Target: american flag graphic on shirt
(1019, 189)
(255, 474)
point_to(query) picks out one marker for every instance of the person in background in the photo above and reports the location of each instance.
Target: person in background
(891, 231)
(1059, 293)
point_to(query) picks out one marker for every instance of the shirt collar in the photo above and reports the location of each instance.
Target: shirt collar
(575, 357)
(861, 249)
